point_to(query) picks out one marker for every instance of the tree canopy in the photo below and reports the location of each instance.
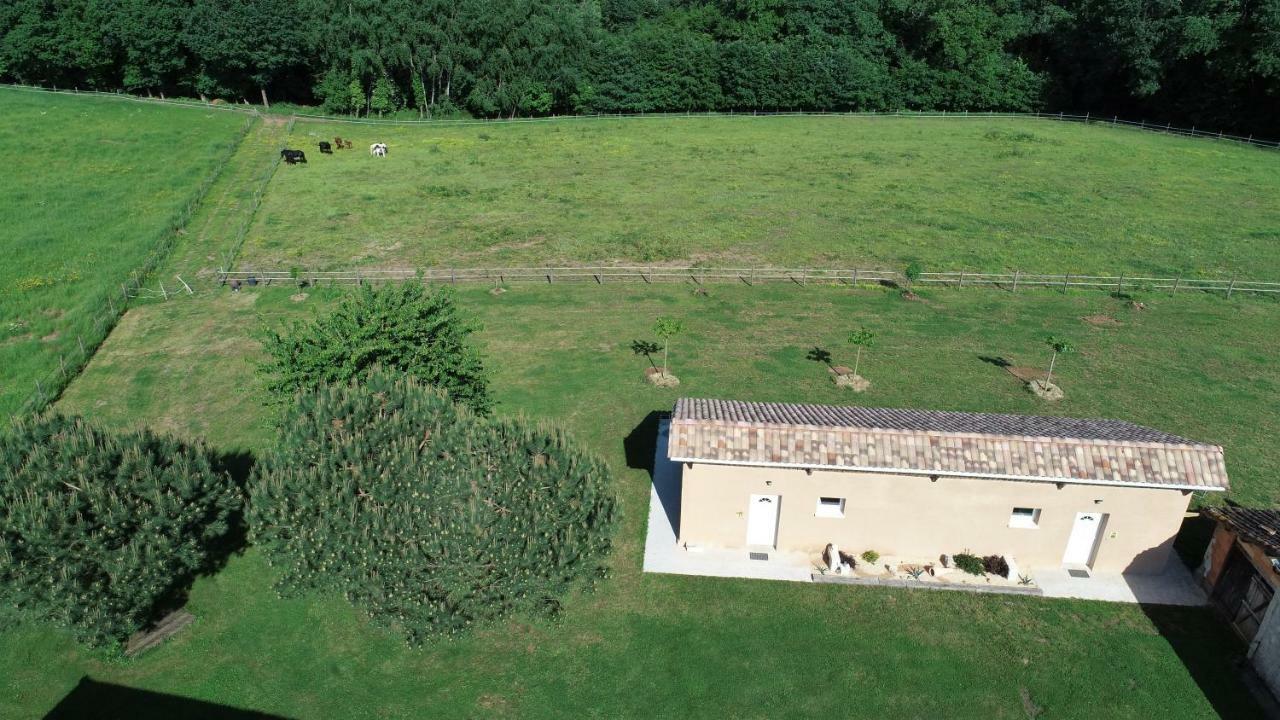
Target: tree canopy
(98, 530)
(1212, 63)
(429, 517)
(402, 326)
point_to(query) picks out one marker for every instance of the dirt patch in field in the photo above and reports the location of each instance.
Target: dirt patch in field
(298, 297)
(1026, 374)
(51, 337)
(1100, 320)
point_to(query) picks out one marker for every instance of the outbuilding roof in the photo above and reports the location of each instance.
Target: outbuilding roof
(983, 445)
(1255, 525)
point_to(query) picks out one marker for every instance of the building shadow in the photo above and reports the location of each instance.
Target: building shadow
(1213, 655)
(642, 442)
(643, 445)
(106, 701)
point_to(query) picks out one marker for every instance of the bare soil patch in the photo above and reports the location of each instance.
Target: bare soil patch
(1101, 320)
(1026, 374)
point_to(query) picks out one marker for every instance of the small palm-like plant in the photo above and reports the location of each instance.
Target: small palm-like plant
(860, 338)
(666, 328)
(1059, 346)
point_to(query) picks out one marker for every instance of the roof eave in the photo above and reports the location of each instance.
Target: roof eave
(952, 473)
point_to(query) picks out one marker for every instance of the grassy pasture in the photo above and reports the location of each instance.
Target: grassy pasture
(89, 186)
(657, 646)
(977, 194)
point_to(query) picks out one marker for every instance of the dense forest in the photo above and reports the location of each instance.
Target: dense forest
(1212, 63)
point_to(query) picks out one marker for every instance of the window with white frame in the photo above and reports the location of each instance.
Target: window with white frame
(831, 507)
(1028, 518)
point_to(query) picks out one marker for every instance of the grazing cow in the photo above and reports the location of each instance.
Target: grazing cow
(293, 156)
(378, 149)
(326, 148)
(342, 144)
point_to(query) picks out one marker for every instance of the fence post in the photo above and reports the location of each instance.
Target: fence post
(1231, 288)
(1086, 118)
(855, 278)
(1065, 279)
(1176, 281)
(1120, 283)
(962, 278)
(1016, 273)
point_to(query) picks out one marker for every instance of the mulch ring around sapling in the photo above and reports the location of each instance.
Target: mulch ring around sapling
(844, 377)
(655, 376)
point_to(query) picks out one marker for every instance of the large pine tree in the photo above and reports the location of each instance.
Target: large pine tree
(98, 530)
(427, 516)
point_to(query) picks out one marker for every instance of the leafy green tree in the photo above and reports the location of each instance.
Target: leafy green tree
(402, 327)
(860, 338)
(426, 516)
(99, 530)
(1059, 347)
(355, 97)
(667, 328)
(382, 99)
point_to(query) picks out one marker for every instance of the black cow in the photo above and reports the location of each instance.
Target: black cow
(293, 156)
(326, 148)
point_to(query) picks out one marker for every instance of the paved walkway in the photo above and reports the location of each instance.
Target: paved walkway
(663, 555)
(1174, 587)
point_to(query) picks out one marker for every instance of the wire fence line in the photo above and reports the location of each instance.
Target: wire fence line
(1087, 118)
(113, 302)
(748, 276)
(229, 257)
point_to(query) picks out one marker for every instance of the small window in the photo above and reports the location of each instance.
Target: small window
(1025, 518)
(831, 507)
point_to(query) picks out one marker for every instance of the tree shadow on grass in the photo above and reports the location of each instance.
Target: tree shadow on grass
(998, 361)
(106, 701)
(238, 465)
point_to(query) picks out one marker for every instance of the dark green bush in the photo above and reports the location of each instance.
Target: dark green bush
(98, 530)
(427, 516)
(401, 327)
(996, 565)
(969, 563)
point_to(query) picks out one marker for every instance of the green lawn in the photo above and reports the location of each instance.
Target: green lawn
(976, 194)
(659, 646)
(88, 188)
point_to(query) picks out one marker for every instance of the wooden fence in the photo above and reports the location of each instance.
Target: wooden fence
(748, 276)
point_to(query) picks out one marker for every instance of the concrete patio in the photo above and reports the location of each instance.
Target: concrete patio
(662, 555)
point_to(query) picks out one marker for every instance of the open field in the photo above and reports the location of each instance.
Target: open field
(89, 188)
(975, 194)
(668, 646)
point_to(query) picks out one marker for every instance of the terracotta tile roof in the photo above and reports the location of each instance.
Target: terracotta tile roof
(1255, 525)
(945, 443)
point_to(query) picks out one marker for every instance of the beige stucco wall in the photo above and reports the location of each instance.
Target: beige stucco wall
(912, 516)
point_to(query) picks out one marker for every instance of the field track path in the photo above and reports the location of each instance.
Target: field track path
(228, 208)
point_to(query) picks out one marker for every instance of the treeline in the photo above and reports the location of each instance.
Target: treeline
(1213, 63)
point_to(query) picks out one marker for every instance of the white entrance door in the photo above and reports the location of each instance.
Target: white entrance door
(1083, 539)
(762, 520)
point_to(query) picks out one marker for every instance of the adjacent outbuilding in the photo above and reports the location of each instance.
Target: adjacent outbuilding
(1052, 492)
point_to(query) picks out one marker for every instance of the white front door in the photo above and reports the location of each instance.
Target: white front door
(1083, 539)
(762, 520)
